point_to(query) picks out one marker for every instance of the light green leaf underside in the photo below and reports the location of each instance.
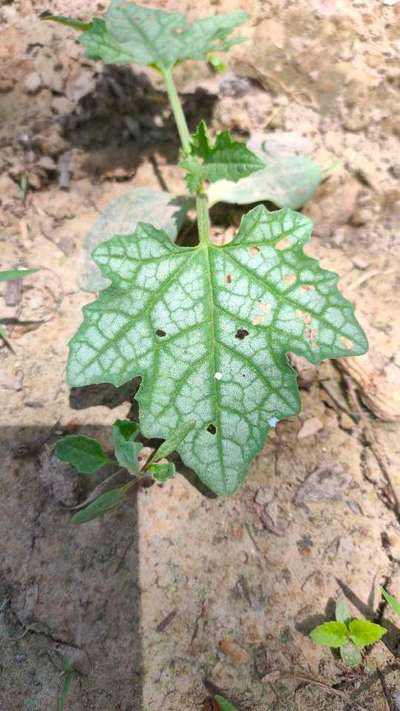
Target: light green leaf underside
(287, 180)
(213, 161)
(131, 34)
(208, 329)
(350, 654)
(121, 217)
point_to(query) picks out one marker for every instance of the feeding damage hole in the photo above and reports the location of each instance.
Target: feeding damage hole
(241, 333)
(346, 342)
(160, 333)
(282, 244)
(212, 429)
(289, 279)
(253, 251)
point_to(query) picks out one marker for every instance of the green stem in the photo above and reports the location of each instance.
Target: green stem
(203, 217)
(177, 110)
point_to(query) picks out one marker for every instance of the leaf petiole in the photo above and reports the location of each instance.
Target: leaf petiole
(177, 110)
(202, 208)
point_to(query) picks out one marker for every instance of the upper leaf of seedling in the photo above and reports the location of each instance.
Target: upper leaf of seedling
(208, 329)
(131, 34)
(225, 159)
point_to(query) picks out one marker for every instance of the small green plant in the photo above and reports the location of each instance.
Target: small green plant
(224, 704)
(67, 676)
(206, 328)
(392, 601)
(347, 634)
(12, 275)
(87, 456)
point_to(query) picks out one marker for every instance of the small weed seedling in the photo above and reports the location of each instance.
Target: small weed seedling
(223, 704)
(206, 328)
(392, 601)
(348, 635)
(87, 456)
(67, 676)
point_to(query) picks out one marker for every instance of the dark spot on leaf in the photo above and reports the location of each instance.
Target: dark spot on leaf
(241, 333)
(212, 429)
(160, 333)
(228, 279)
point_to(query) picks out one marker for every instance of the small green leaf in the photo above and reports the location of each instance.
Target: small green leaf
(224, 704)
(162, 472)
(350, 654)
(342, 612)
(394, 604)
(12, 274)
(173, 441)
(84, 453)
(106, 502)
(69, 22)
(125, 448)
(330, 634)
(225, 159)
(122, 216)
(363, 632)
(3, 333)
(216, 63)
(207, 329)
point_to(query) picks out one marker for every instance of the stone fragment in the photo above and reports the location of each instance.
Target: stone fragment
(309, 428)
(327, 483)
(32, 83)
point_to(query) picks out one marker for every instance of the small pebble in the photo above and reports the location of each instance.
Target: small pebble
(309, 428)
(32, 83)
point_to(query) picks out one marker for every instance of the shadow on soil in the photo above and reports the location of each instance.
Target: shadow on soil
(66, 591)
(122, 119)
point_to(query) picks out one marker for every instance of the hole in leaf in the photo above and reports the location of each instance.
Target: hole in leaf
(241, 333)
(282, 244)
(212, 429)
(253, 251)
(160, 333)
(346, 342)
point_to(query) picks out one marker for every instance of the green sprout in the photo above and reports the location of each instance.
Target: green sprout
(347, 634)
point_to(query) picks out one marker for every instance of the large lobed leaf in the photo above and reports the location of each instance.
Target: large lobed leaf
(207, 329)
(131, 34)
(226, 158)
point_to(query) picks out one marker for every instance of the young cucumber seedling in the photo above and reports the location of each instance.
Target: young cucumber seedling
(206, 328)
(348, 635)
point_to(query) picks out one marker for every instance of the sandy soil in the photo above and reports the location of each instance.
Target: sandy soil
(178, 594)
